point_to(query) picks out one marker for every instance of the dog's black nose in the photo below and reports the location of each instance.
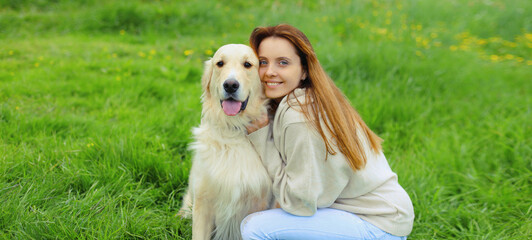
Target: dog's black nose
(231, 85)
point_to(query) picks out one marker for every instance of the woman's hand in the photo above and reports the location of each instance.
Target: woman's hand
(258, 124)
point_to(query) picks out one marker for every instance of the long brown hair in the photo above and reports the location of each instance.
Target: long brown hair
(340, 118)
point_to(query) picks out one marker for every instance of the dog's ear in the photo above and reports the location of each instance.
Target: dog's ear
(207, 75)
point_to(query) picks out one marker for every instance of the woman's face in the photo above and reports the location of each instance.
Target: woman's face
(280, 68)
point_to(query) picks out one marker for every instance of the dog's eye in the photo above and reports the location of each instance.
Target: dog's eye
(247, 65)
(220, 64)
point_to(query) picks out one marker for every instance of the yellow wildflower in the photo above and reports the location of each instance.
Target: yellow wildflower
(188, 52)
(142, 54)
(453, 48)
(528, 36)
(37, 64)
(510, 44)
(529, 62)
(153, 52)
(11, 52)
(509, 56)
(208, 52)
(464, 47)
(381, 31)
(118, 78)
(425, 43)
(495, 39)
(122, 32)
(494, 58)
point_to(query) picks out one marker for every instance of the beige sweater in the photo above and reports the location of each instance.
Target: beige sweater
(294, 155)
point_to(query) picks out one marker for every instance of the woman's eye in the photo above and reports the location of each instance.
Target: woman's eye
(263, 62)
(283, 62)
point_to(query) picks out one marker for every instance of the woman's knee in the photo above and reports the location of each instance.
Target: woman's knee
(248, 226)
(253, 226)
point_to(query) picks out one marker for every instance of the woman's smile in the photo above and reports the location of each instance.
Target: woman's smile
(280, 67)
(273, 84)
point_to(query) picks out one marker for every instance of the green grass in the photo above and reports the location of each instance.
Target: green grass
(97, 99)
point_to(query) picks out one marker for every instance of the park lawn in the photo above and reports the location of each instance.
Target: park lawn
(97, 100)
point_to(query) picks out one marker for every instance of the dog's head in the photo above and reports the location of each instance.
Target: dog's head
(231, 79)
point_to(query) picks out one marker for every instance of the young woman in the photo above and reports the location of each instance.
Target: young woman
(330, 176)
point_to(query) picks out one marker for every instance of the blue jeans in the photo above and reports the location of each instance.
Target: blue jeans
(326, 223)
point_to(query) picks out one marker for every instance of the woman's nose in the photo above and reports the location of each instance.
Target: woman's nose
(270, 72)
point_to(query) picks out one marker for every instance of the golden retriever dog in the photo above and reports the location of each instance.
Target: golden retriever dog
(227, 180)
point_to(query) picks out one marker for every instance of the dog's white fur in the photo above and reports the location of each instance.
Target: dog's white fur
(227, 180)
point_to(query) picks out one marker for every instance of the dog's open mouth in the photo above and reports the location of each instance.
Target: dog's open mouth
(232, 107)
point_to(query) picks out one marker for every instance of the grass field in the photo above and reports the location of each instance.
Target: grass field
(97, 99)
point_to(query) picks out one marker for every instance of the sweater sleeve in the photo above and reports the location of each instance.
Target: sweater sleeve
(305, 180)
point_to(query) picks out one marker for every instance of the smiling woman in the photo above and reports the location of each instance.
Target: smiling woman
(328, 169)
(280, 67)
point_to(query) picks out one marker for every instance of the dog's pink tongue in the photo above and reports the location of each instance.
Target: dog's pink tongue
(230, 107)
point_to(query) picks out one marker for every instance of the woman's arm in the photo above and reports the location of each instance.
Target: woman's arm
(304, 181)
(262, 140)
(258, 124)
